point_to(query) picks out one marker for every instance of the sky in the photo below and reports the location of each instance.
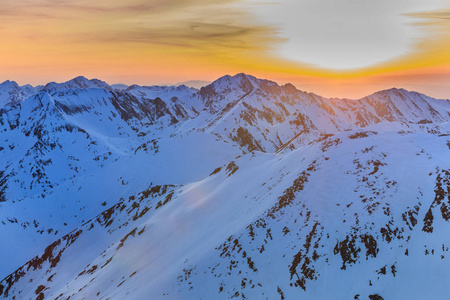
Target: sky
(336, 48)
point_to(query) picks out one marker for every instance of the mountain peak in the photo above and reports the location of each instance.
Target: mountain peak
(9, 84)
(394, 93)
(79, 82)
(79, 79)
(243, 75)
(393, 90)
(11, 93)
(241, 81)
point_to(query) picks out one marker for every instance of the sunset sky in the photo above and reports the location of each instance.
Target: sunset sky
(342, 48)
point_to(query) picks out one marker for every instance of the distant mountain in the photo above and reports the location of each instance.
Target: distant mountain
(194, 83)
(119, 86)
(240, 189)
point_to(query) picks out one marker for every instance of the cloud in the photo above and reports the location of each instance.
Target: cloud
(62, 8)
(440, 15)
(177, 23)
(435, 45)
(191, 34)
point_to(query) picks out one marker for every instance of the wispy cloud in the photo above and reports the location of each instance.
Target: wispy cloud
(187, 23)
(440, 15)
(191, 34)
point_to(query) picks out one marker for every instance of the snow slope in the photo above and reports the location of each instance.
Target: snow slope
(243, 189)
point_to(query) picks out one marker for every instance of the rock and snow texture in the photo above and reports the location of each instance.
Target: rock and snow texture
(242, 189)
(11, 93)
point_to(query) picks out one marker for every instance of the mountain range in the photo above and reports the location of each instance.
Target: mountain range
(242, 189)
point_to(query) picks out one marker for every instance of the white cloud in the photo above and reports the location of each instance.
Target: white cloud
(344, 34)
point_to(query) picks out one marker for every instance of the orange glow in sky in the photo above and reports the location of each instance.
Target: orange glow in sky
(405, 44)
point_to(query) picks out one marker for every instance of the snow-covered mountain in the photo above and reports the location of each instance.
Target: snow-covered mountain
(11, 93)
(241, 189)
(79, 82)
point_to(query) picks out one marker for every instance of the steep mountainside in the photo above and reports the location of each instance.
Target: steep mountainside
(243, 189)
(11, 93)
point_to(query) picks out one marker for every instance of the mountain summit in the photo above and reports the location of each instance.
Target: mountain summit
(11, 93)
(79, 82)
